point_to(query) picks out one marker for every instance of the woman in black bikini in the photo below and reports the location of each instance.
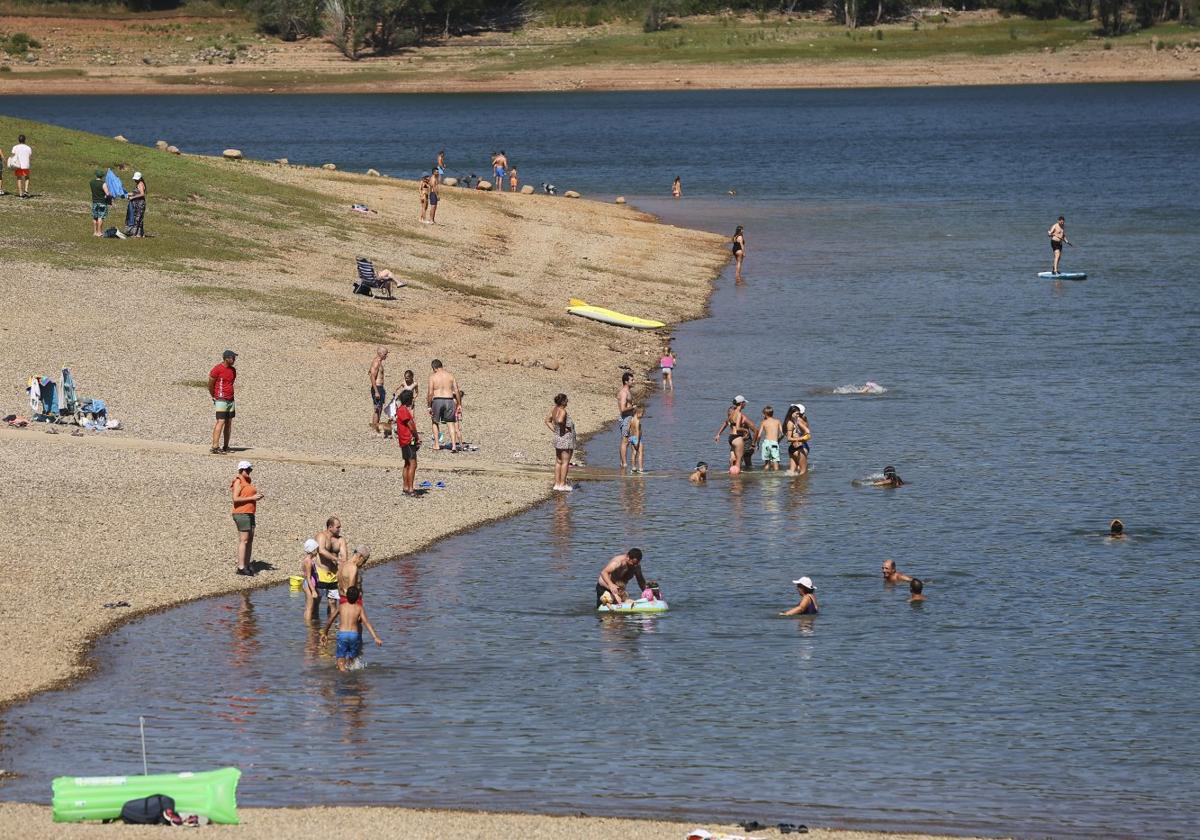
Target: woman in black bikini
(740, 428)
(739, 252)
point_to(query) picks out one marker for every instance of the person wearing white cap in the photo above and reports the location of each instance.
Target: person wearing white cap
(308, 570)
(741, 429)
(795, 429)
(245, 504)
(135, 226)
(808, 601)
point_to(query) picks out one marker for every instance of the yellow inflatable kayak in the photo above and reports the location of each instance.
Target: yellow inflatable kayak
(608, 316)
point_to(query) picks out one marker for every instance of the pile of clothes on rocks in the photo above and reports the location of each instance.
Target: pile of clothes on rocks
(58, 403)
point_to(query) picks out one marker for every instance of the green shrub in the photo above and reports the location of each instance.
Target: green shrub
(594, 16)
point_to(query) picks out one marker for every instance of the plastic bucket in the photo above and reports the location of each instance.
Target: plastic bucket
(295, 581)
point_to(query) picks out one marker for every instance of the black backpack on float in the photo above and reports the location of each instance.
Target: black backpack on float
(148, 811)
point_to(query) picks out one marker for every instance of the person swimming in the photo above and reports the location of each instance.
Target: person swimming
(700, 474)
(915, 587)
(890, 478)
(1116, 529)
(808, 601)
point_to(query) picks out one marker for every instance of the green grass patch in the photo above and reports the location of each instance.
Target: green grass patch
(198, 212)
(247, 79)
(740, 40)
(429, 280)
(348, 322)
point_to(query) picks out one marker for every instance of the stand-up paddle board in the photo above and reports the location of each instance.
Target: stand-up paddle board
(1064, 275)
(641, 605)
(608, 316)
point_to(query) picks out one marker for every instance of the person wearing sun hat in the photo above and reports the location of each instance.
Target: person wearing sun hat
(308, 571)
(245, 505)
(808, 601)
(137, 208)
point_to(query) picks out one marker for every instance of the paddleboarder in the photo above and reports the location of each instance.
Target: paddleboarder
(1058, 235)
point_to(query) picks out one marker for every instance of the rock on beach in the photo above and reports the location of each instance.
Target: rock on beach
(572, 194)
(527, 189)
(232, 154)
(486, 186)
(161, 145)
(330, 167)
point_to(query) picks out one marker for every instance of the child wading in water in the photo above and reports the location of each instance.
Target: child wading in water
(637, 462)
(769, 434)
(351, 619)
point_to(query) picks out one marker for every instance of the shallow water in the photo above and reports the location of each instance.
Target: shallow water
(1047, 687)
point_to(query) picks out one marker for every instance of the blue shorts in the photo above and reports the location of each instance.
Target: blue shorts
(349, 644)
(499, 170)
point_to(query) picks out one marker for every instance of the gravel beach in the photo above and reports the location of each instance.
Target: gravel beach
(141, 515)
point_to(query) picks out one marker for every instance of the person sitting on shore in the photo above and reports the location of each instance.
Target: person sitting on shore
(352, 617)
(808, 601)
(700, 474)
(616, 574)
(915, 587)
(891, 574)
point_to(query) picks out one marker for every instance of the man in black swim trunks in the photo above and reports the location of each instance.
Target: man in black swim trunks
(1058, 235)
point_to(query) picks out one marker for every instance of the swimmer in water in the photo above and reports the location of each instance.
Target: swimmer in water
(808, 601)
(890, 479)
(893, 575)
(915, 586)
(1116, 530)
(700, 474)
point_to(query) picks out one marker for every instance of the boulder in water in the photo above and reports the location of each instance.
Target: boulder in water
(620, 199)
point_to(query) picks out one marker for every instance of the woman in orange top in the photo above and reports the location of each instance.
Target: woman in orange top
(245, 504)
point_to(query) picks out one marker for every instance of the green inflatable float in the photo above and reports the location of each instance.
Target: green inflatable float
(212, 793)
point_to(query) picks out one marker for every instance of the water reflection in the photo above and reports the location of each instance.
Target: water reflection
(561, 533)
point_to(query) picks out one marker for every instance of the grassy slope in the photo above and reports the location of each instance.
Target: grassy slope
(199, 210)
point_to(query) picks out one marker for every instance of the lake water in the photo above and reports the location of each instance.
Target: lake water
(1047, 686)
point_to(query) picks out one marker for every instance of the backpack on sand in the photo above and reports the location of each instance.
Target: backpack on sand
(148, 811)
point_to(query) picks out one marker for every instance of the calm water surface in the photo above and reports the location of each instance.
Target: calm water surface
(1048, 685)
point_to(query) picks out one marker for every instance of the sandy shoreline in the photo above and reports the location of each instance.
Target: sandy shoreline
(142, 515)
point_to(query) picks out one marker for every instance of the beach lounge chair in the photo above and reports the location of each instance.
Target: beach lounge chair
(369, 280)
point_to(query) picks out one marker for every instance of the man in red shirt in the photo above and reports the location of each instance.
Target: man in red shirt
(409, 440)
(220, 388)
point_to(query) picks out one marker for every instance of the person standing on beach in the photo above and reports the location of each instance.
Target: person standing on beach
(625, 408)
(409, 440)
(891, 574)
(137, 202)
(499, 165)
(616, 574)
(433, 197)
(796, 430)
(808, 600)
(677, 188)
(423, 193)
(1058, 235)
(23, 155)
(3, 159)
(562, 427)
(220, 388)
(351, 620)
(245, 504)
(100, 198)
(442, 399)
(739, 252)
(378, 391)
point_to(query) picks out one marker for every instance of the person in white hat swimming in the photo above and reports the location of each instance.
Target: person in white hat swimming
(808, 601)
(797, 433)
